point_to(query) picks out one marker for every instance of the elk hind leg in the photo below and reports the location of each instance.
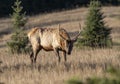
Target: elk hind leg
(35, 54)
(36, 49)
(32, 57)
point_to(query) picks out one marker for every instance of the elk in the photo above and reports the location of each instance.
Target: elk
(50, 39)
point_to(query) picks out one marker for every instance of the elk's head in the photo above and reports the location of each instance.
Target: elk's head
(70, 42)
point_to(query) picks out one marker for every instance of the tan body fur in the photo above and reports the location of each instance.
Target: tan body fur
(49, 39)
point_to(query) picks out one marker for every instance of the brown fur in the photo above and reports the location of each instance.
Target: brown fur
(55, 39)
(32, 31)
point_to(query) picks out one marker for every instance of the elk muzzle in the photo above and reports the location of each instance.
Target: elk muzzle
(69, 47)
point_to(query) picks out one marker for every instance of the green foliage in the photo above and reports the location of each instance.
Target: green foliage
(18, 17)
(74, 80)
(18, 43)
(102, 81)
(114, 79)
(114, 71)
(95, 33)
(19, 40)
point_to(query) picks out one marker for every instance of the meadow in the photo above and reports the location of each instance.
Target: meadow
(82, 63)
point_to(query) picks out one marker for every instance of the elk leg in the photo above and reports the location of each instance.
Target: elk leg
(32, 57)
(64, 54)
(36, 53)
(57, 54)
(36, 49)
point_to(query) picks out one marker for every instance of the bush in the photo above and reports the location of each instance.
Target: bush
(18, 43)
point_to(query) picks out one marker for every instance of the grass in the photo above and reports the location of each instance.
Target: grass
(82, 63)
(114, 78)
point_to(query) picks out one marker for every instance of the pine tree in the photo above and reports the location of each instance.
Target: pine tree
(95, 33)
(18, 39)
(18, 17)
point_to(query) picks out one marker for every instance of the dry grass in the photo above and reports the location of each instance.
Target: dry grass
(82, 63)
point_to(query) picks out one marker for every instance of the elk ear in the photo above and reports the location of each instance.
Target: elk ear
(59, 32)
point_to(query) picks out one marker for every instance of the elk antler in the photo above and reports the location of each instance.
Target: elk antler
(76, 37)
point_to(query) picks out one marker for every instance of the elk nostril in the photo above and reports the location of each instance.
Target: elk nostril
(69, 53)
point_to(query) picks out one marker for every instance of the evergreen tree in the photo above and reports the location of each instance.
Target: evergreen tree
(95, 33)
(18, 17)
(19, 40)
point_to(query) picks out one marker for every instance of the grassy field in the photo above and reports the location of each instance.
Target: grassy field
(82, 63)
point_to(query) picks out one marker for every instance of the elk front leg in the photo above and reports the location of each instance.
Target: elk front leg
(57, 54)
(64, 54)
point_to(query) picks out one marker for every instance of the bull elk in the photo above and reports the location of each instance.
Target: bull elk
(50, 39)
